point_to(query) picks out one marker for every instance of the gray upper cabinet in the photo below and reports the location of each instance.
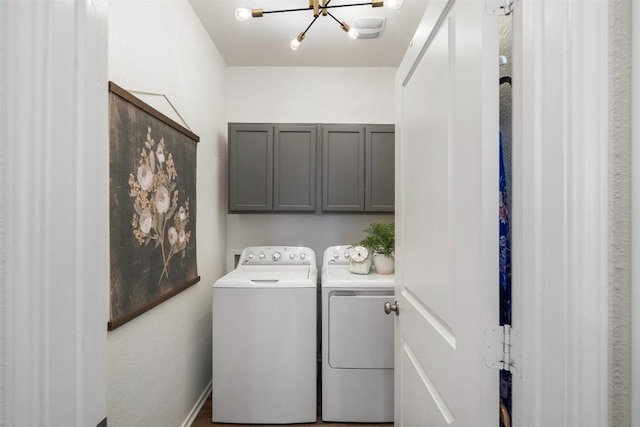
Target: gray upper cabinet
(343, 168)
(272, 167)
(294, 183)
(358, 168)
(250, 167)
(311, 168)
(380, 168)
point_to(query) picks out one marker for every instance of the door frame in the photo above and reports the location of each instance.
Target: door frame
(54, 216)
(560, 212)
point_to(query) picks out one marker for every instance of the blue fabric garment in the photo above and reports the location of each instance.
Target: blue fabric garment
(505, 247)
(505, 275)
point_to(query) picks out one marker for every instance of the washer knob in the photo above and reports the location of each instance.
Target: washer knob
(261, 256)
(336, 255)
(251, 256)
(303, 255)
(346, 255)
(276, 256)
(292, 255)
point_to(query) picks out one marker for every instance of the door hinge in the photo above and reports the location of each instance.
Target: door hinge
(503, 349)
(499, 7)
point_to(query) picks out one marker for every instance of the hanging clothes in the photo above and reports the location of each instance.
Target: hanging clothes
(505, 275)
(505, 247)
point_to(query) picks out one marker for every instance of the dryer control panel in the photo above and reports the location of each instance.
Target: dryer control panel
(277, 255)
(336, 255)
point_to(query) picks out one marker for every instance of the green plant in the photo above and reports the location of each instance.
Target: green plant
(380, 238)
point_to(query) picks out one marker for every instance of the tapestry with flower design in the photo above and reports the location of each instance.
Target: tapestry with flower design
(152, 207)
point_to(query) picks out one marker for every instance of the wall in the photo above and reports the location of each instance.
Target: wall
(159, 363)
(635, 227)
(306, 95)
(310, 94)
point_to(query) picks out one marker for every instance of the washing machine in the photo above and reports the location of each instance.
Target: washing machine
(264, 338)
(357, 342)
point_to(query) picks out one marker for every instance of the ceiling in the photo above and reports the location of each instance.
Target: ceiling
(265, 41)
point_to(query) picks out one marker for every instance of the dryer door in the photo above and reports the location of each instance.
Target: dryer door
(360, 333)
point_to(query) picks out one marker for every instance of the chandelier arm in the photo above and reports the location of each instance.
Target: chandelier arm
(321, 7)
(334, 18)
(348, 5)
(287, 10)
(312, 22)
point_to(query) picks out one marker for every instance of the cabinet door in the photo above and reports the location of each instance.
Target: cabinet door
(250, 167)
(294, 183)
(380, 170)
(343, 168)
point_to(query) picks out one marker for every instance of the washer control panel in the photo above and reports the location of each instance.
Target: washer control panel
(277, 255)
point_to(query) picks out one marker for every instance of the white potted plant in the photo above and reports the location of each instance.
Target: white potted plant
(380, 240)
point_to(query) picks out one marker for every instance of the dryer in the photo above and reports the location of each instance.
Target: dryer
(357, 342)
(264, 367)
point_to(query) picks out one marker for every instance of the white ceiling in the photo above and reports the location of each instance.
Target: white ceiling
(265, 41)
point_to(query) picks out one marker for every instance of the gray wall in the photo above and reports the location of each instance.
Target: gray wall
(315, 231)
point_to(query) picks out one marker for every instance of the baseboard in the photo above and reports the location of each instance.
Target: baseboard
(199, 404)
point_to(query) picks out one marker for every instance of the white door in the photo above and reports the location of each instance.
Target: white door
(447, 218)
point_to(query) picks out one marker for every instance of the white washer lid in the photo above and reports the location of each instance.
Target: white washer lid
(269, 277)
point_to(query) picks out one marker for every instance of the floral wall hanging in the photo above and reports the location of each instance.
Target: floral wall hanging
(152, 207)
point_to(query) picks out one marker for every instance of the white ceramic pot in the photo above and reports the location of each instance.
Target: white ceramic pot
(384, 264)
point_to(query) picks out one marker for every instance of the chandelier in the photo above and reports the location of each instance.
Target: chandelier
(318, 10)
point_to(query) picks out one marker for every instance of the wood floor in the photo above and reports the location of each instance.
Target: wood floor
(204, 420)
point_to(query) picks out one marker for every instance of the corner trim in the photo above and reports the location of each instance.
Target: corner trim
(198, 406)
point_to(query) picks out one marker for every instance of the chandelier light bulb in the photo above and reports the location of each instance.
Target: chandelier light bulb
(351, 32)
(393, 4)
(295, 44)
(243, 14)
